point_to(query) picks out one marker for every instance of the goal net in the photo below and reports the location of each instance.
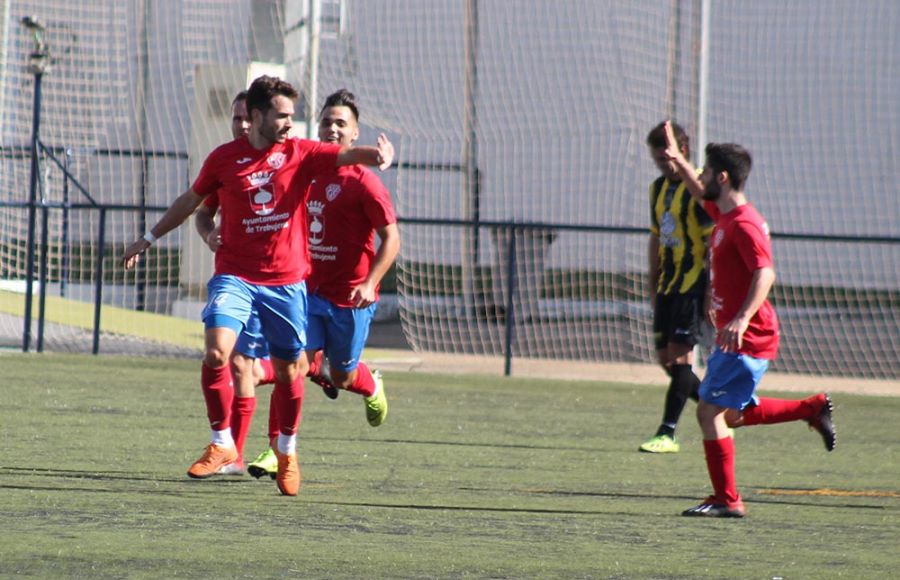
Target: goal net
(522, 174)
(534, 113)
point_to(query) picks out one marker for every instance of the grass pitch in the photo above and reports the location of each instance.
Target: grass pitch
(470, 477)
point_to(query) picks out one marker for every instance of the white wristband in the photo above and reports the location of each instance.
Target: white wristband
(150, 237)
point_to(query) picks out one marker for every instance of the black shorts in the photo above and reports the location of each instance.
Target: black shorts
(677, 318)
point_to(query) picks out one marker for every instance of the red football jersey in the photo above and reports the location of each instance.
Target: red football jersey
(344, 207)
(261, 196)
(739, 245)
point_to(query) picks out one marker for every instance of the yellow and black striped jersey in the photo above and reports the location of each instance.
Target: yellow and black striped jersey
(683, 229)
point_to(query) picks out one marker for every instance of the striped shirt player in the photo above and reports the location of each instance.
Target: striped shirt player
(679, 230)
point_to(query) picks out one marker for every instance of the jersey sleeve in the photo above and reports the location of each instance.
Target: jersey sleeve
(705, 222)
(377, 201)
(208, 181)
(753, 245)
(317, 157)
(212, 202)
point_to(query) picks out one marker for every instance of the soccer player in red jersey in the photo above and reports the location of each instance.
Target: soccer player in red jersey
(346, 208)
(250, 362)
(741, 275)
(262, 262)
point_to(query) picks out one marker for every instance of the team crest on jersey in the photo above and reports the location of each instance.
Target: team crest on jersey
(276, 160)
(260, 178)
(262, 202)
(316, 225)
(332, 191)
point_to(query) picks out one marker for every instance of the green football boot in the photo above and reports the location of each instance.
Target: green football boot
(377, 405)
(265, 464)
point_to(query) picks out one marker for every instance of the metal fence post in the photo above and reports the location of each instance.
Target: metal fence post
(510, 304)
(98, 279)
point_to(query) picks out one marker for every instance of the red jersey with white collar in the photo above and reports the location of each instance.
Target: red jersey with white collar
(739, 245)
(261, 195)
(344, 208)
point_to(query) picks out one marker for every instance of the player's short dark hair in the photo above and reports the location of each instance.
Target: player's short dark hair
(263, 89)
(341, 98)
(732, 158)
(656, 138)
(241, 96)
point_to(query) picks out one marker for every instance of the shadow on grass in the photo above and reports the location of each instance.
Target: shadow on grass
(180, 486)
(463, 444)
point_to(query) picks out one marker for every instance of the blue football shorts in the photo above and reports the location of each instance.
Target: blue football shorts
(251, 342)
(731, 379)
(340, 331)
(281, 311)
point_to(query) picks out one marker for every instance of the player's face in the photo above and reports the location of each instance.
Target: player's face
(275, 125)
(338, 125)
(663, 163)
(240, 120)
(712, 189)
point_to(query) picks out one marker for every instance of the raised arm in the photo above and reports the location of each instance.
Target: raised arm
(381, 156)
(363, 295)
(686, 170)
(181, 209)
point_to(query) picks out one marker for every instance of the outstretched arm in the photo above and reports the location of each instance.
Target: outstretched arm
(685, 169)
(363, 295)
(183, 206)
(381, 156)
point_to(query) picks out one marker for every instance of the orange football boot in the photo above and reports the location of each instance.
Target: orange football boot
(212, 460)
(288, 476)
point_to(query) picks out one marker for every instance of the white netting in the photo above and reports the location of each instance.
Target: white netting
(531, 112)
(563, 94)
(120, 110)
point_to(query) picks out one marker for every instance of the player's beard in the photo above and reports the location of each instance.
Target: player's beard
(713, 191)
(272, 134)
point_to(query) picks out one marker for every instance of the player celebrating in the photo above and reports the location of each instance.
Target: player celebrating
(741, 275)
(262, 262)
(679, 230)
(244, 401)
(346, 208)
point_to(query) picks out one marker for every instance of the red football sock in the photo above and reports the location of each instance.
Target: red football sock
(273, 419)
(720, 464)
(288, 400)
(218, 390)
(268, 377)
(364, 383)
(770, 411)
(315, 365)
(241, 417)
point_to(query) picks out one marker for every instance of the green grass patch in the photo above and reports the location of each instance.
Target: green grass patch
(146, 325)
(470, 477)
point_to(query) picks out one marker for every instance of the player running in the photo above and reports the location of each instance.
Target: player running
(262, 262)
(346, 208)
(741, 275)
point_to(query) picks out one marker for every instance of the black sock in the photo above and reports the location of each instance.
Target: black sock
(684, 384)
(666, 430)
